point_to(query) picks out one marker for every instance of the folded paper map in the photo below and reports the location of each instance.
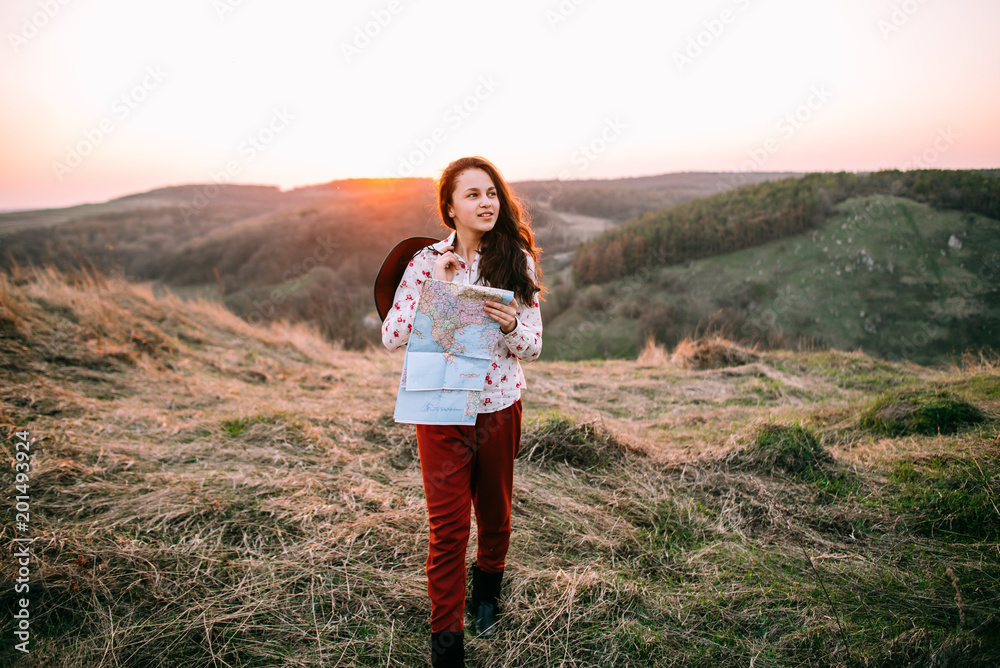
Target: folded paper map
(448, 354)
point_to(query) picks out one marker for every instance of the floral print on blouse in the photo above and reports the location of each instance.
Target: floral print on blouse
(505, 379)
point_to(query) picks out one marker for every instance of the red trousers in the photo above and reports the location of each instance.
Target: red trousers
(462, 466)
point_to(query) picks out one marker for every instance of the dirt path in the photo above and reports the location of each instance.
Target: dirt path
(583, 226)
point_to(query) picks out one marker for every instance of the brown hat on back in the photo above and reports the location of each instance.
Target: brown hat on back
(392, 270)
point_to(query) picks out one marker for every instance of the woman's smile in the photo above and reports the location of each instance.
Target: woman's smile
(474, 203)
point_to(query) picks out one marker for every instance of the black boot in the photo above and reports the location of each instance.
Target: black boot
(485, 603)
(448, 649)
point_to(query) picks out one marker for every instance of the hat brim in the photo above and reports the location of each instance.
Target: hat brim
(391, 271)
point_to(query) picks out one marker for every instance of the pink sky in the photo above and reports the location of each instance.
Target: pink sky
(300, 92)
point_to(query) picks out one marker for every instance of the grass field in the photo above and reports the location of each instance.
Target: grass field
(209, 493)
(895, 278)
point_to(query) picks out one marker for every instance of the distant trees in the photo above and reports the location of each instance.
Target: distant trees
(310, 254)
(616, 203)
(756, 214)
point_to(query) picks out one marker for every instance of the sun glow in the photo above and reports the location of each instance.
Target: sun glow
(115, 97)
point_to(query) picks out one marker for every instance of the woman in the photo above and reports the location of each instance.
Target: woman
(490, 244)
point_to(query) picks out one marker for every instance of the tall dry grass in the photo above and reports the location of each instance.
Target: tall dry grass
(229, 494)
(653, 354)
(712, 351)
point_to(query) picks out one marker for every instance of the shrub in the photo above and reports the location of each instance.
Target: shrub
(775, 446)
(926, 412)
(558, 439)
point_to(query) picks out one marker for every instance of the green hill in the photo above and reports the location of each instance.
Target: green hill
(205, 492)
(755, 214)
(896, 278)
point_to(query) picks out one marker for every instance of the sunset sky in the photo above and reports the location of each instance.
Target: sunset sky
(103, 98)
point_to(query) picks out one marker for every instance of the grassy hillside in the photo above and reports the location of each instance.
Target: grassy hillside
(756, 214)
(896, 278)
(134, 235)
(208, 492)
(311, 253)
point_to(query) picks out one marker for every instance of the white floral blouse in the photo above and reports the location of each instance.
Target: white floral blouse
(505, 379)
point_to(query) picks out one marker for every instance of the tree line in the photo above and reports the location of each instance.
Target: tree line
(763, 212)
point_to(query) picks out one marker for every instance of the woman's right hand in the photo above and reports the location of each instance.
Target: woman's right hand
(445, 265)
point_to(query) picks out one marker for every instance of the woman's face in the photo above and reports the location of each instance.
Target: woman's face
(474, 203)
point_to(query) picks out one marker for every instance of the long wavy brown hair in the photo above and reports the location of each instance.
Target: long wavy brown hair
(502, 260)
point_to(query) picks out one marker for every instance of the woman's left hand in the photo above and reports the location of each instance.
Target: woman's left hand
(505, 314)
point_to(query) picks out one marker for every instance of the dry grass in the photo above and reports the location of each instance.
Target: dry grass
(981, 361)
(653, 354)
(209, 492)
(15, 310)
(561, 440)
(712, 351)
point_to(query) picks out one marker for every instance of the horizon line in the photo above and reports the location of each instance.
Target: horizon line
(283, 190)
